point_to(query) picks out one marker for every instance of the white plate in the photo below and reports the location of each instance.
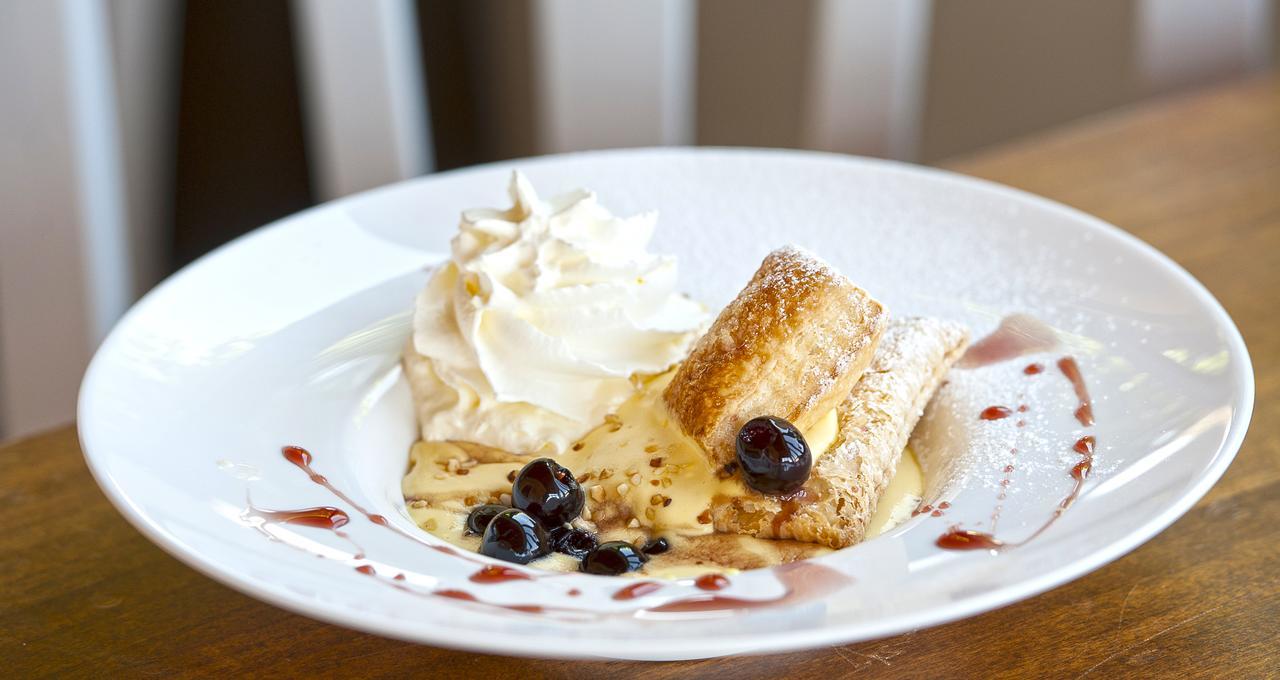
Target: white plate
(290, 335)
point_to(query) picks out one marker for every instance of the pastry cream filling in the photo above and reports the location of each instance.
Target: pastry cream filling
(639, 465)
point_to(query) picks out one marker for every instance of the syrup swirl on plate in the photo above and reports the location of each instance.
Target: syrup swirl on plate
(802, 581)
(1069, 368)
(635, 590)
(1018, 335)
(496, 573)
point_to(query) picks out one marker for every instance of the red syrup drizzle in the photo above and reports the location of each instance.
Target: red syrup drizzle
(803, 581)
(323, 517)
(635, 590)
(963, 539)
(1083, 446)
(496, 573)
(301, 458)
(712, 581)
(995, 413)
(1016, 336)
(1033, 369)
(1069, 368)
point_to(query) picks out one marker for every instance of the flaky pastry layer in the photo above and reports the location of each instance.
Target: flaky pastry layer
(876, 419)
(791, 344)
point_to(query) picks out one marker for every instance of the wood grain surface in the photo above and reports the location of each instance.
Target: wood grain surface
(1198, 177)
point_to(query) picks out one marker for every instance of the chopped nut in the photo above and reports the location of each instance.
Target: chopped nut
(586, 512)
(469, 500)
(634, 523)
(666, 502)
(623, 489)
(666, 482)
(656, 499)
(655, 461)
(652, 448)
(654, 482)
(464, 471)
(705, 516)
(597, 493)
(636, 479)
(418, 504)
(505, 499)
(650, 514)
(585, 476)
(430, 524)
(452, 465)
(470, 463)
(632, 471)
(511, 476)
(606, 473)
(577, 446)
(613, 422)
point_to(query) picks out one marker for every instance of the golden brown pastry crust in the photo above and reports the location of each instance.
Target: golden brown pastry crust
(875, 423)
(791, 345)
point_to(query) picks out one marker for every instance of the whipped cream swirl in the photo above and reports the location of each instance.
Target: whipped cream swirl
(534, 328)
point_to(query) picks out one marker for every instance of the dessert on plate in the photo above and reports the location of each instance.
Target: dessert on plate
(578, 413)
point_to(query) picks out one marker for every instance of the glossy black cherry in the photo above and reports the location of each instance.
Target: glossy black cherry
(572, 542)
(514, 536)
(774, 457)
(548, 491)
(480, 516)
(613, 558)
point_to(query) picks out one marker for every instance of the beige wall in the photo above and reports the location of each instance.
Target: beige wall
(995, 69)
(752, 68)
(1000, 69)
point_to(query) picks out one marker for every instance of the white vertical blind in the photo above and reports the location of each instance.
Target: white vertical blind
(146, 41)
(65, 270)
(364, 93)
(867, 82)
(612, 73)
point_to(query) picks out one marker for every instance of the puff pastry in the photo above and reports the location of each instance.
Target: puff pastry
(791, 344)
(875, 422)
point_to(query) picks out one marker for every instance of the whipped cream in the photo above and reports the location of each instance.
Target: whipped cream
(533, 329)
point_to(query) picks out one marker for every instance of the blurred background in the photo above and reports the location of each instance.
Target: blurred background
(136, 135)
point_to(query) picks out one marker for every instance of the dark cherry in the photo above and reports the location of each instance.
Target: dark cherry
(656, 547)
(548, 491)
(613, 558)
(514, 536)
(572, 542)
(480, 517)
(774, 456)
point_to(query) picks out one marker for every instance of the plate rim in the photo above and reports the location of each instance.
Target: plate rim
(752, 643)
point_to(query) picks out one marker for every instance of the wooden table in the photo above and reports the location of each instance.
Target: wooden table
(1197, 176)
